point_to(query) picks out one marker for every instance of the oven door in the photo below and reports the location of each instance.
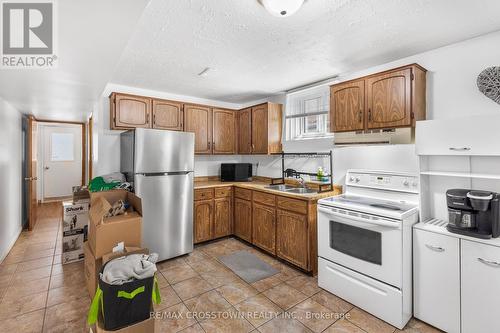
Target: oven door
(368, 244)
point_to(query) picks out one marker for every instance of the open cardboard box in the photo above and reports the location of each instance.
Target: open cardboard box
(93, 265)
(106, 232)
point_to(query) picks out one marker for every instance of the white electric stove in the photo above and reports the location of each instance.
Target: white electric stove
(365, 243)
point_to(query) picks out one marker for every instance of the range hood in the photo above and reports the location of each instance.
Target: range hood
(404, 135)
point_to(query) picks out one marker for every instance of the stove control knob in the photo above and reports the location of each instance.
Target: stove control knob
(357, 179)
(351, 179)
(406, 182)
(415, 184)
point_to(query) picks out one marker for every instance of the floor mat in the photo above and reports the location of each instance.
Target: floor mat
(248, 266)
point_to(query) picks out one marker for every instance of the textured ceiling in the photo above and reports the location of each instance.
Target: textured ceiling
(253, 54)
(91, 37)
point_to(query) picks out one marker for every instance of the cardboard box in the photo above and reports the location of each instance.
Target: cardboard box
(106, 232)
(73, 256)
(91, 268)
(73, 243)
(72, 248)
(93, 265)
(146, 326)
(81, 194)
(75, 217)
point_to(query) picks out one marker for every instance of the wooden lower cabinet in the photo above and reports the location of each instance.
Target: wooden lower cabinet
(213, 218)
(203, 217)
(223, 217)
(292, 238)
(243, 219)
(264, 227)
(282, 226)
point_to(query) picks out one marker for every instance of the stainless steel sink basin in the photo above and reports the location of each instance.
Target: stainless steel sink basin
(280, 187)
(301, 190)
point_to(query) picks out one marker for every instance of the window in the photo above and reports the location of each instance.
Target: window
(62, 147)
(307, 114)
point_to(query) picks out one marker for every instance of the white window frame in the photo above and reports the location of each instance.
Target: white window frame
(296, 114)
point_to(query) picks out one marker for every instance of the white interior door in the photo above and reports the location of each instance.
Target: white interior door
(62, 159)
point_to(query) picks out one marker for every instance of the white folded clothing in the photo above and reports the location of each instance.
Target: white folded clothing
(128, 268)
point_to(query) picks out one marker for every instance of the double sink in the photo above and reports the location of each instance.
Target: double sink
(291, 189)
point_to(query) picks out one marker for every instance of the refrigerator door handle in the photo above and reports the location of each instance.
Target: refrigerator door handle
(155, 174)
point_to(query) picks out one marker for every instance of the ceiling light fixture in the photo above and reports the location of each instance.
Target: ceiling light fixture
(282, 8)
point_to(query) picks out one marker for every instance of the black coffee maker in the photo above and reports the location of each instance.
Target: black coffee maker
(473, 213)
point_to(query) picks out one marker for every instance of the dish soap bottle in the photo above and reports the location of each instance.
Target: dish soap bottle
(320, 174)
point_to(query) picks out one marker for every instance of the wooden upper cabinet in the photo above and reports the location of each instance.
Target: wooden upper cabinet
(259, 129)
(347, 106)
(245, 131)
(198, 120)
(224, 131)
(389, 99)
(266, 128)
(129, 111)
(167, 115)
(394, 98)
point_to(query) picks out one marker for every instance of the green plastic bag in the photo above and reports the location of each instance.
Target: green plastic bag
(98, 184)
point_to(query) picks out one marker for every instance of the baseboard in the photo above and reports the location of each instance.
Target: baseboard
(6, 251)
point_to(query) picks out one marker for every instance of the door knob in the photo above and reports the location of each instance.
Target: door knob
(47, 168)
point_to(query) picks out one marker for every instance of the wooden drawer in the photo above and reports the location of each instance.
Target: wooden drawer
(293, 205)
(243, 193)
(223, 192)
(264, 198)
(203, 194)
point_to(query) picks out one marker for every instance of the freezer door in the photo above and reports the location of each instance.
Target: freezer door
(163, 151)
(167, 206)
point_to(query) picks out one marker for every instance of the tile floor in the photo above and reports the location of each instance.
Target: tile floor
(199, 294)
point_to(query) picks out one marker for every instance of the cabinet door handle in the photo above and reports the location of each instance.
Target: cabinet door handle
(369, 114)
(360, 116)
(489, 262)
(460, 148)
(435, 248)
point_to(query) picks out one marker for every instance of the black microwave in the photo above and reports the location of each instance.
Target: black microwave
(236, 172)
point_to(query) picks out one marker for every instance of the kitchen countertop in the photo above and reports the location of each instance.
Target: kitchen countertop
(261, 186)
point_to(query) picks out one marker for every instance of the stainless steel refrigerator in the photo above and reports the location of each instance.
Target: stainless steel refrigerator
(160, 164)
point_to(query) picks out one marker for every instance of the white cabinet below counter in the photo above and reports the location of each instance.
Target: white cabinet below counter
(436, 274)
(480, 287)
(456, 281)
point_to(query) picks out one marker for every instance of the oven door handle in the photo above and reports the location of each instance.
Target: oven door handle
(381, 221)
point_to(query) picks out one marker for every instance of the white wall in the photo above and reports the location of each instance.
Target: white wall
(107, 142)
(210, 165)
(451, 77)
(451, 92)
(11, 149)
